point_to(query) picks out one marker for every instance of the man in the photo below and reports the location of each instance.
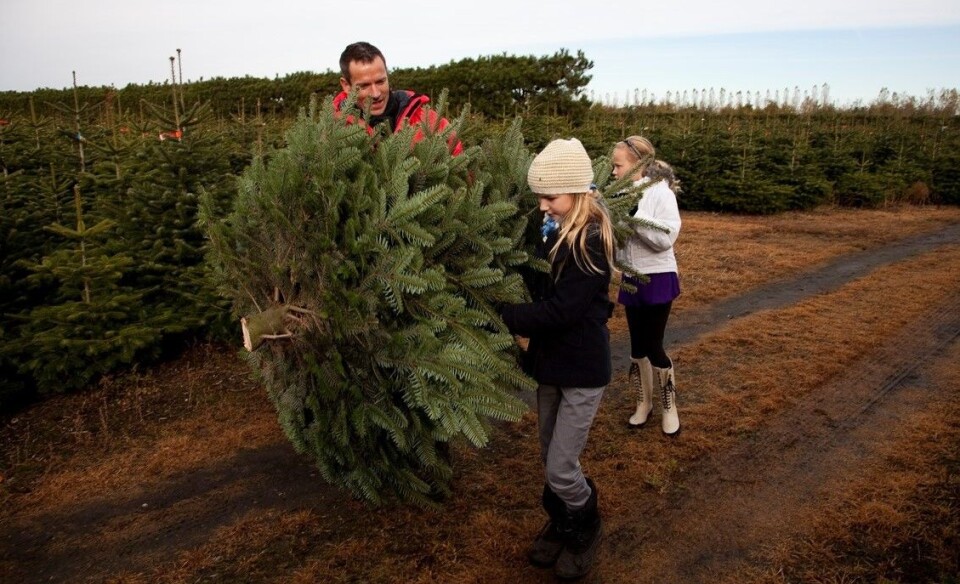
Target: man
(364, 69)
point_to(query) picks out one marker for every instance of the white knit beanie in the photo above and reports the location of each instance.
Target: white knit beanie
(563, 167)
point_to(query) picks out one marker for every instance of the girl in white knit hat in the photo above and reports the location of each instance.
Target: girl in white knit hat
(569, 349)
(650, 252)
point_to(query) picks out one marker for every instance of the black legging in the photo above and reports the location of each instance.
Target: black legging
(647, 324)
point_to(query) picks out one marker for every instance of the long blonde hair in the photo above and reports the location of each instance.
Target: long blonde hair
(640, 150)
(588, 209)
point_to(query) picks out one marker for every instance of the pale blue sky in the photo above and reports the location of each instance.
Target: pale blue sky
(855, 46)
(855, 64)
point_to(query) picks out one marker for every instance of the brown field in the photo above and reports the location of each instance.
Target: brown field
(820, 443)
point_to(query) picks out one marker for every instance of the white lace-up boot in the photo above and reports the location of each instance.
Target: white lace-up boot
(641, 371)
(668, 396)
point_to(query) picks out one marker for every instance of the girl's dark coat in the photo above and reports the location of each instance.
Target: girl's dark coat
(567, 321)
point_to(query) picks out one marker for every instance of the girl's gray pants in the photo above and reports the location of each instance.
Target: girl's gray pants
(564, 419)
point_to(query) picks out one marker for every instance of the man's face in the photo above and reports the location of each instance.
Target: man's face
(370, 81)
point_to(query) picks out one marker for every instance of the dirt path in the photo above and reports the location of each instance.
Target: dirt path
(747, 498)
(146, 527)
(797, 453)
(685, 327)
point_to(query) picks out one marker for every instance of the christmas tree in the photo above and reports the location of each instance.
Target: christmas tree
(96, 322)
(156, 215)
(366, 269)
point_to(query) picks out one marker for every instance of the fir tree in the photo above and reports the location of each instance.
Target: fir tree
(366, 272)
(95, 325)
(157, 217)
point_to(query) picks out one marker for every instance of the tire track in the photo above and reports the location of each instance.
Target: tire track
(687, 326)
(107, 536)
(747, 497)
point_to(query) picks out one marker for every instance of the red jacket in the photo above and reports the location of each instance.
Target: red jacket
(409, 110)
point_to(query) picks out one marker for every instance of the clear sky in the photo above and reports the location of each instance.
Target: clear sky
(856, 47)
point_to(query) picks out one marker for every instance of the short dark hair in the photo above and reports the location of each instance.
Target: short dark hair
(361, 52)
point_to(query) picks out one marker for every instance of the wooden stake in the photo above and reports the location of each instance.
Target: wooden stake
(76, 124)
(180, 68)
(176, 110)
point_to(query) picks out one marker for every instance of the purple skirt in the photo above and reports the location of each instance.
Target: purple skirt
(660, 289)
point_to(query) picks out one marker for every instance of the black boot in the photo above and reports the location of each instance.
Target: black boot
(581, 531)
(549, 542)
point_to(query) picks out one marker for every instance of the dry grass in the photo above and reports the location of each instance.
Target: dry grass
(720, 256)
(898, 519)
(139, 430)
(86, 444)
(729, 384)
(724, 255)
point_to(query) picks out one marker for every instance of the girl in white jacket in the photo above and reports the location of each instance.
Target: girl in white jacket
(650, 252)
